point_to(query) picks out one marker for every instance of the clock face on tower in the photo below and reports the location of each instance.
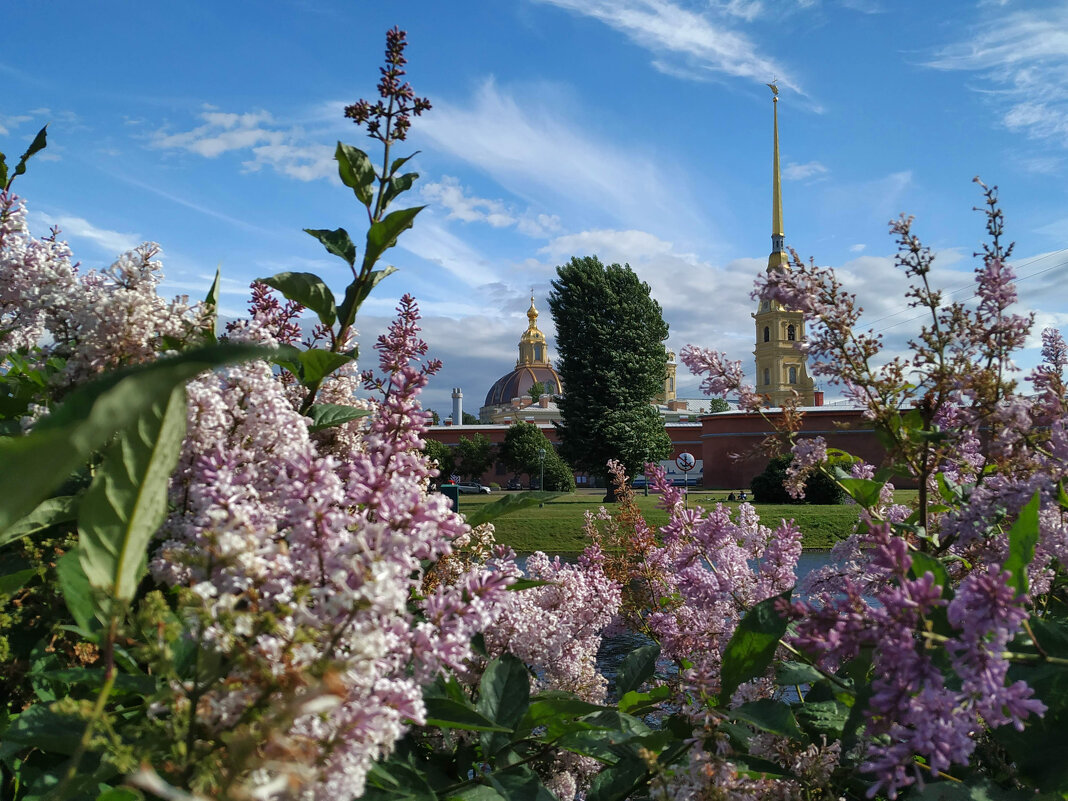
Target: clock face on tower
(765, 305)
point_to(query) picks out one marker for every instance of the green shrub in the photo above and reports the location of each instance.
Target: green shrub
(768, 486)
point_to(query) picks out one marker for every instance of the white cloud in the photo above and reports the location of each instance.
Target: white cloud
(857, 248)
(284, 149)
(610, 246)
(7, 123)
(799, 172)
(1023, 58)
(450, 195)
(110, 242)
(431, 241)
(534, 151)
(460, 206)
(702, 41)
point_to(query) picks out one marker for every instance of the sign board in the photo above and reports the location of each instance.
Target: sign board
(685, 462)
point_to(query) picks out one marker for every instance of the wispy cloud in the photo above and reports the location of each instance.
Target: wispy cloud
(431, 241)
(8, 123)
(533, 151)
(109, 242)
(285, 149)
(1023, 58)
(800, 172)
(450, 195)
(702, 42)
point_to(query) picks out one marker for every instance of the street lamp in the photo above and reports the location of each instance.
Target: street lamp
(541, 457)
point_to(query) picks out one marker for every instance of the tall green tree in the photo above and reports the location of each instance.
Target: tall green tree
(610, 335)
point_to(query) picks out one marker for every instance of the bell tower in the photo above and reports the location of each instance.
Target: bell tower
(780, 365)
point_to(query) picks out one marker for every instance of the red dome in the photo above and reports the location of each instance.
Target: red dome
(516, 384)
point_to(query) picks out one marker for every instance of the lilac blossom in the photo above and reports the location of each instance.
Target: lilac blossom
(329, 551)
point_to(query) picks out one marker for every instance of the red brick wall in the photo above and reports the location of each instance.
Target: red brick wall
(728, 442)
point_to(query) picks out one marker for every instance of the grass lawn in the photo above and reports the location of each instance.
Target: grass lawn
(556, 527)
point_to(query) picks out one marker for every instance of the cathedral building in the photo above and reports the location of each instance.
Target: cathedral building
(508, 400)
(780, 365)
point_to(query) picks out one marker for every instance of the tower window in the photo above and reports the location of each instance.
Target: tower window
(767, 334)
(537, 353)
(791, 333)
(767, 376)
(793, 375)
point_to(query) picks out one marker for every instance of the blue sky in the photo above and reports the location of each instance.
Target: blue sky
(636, 130)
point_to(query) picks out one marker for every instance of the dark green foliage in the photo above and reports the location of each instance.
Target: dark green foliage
(610, 336)
(443, 455)
(717, 405)
(537, 389)
(474, 456)
(468, 419)
(768, 486)
(521, 453)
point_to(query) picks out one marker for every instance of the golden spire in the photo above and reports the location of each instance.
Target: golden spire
(532, 314)
(778, 259)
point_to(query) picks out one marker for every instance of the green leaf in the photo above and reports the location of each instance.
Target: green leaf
(398, 781)
(925, 563)
(316, 364)
(356, 172)
(308, 289)
(337, 242)
(589, 743)
(504, 691)
(51, 512)
(356, 293)
(42, 728)
(1062, 496)
(789, 673)
(619, 781)
(13, 582)
(864, 491)
(398, 163)
(507, 505)
(89, 416)
(38, 144)
(822, 718)
(528, 584)
(382, 235)
(3, 171)
(752, 646)
(211, 301)
(1022, 539)
(446, 713)
(142, 684)
(127, 501)
(768, 715)
(77, 593)
(639, 665)
(328, 415)
(397, 185)
(520, 784)
(503, 697)
(636, 703)
(557, 712)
